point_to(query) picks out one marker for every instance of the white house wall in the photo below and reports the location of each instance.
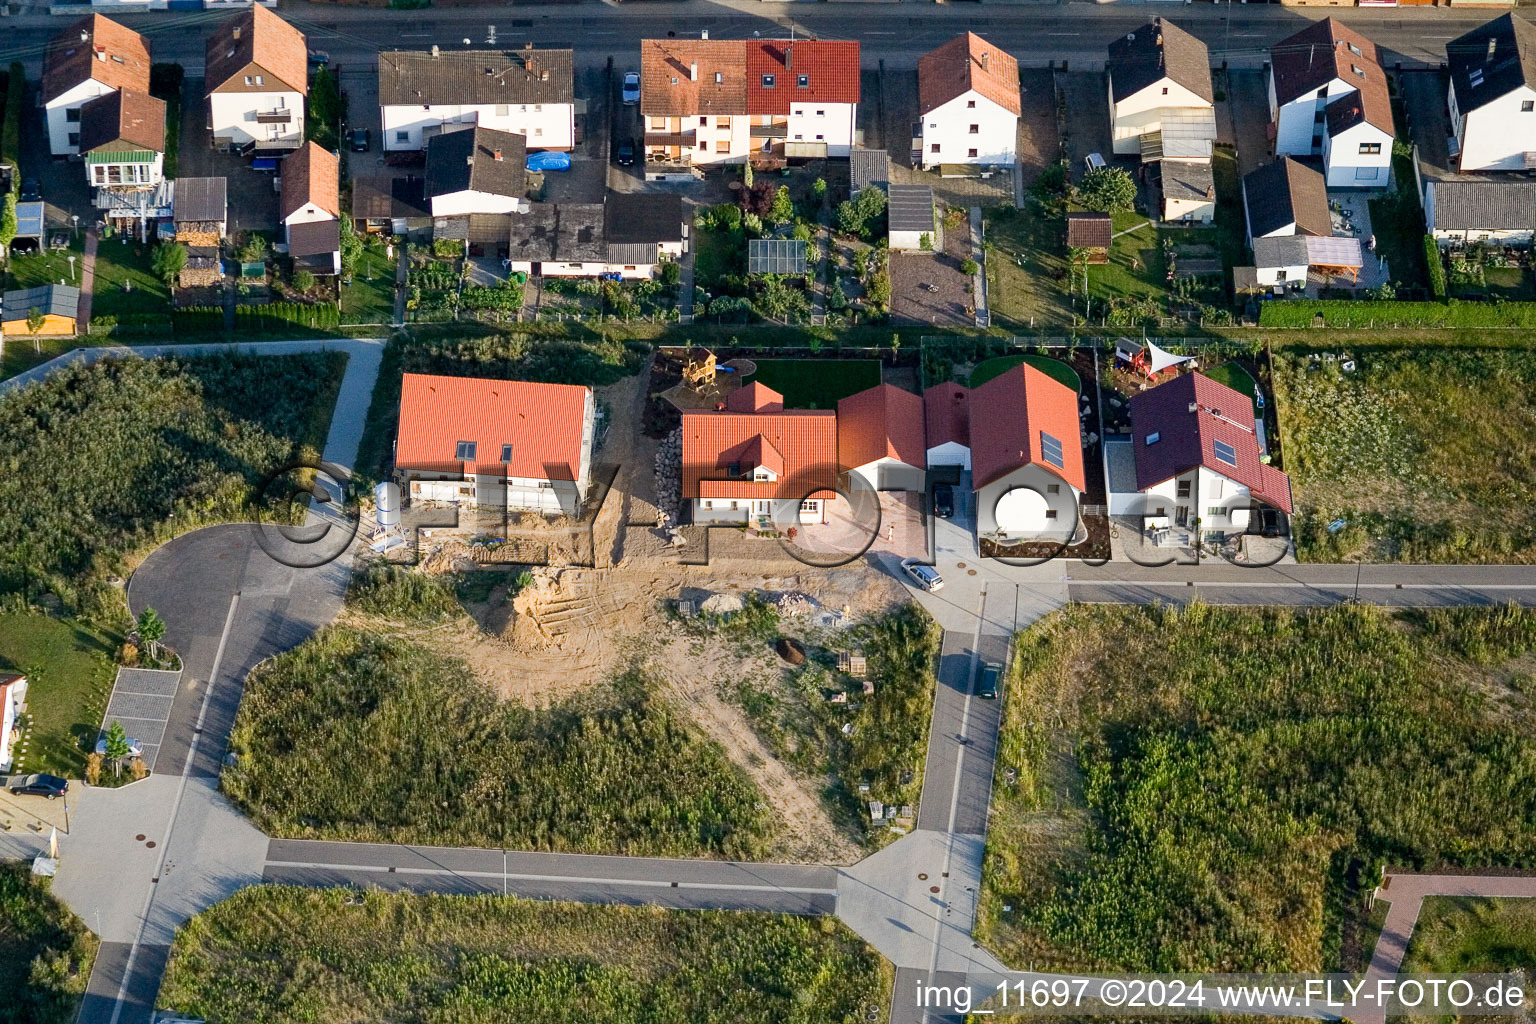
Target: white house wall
(1201, 210)
(1348, 167)
(545, 125)
(948, 126)
(233, 117)
(830, 123)
(1217, 501)
(1296, 123)
(1143, 112)
(60, 127)
(1497, 135)
(1063, 500)
(950, 453)
(1272, 276)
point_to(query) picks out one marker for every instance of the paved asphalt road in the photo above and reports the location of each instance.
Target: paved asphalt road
(676, 884)
(898, 34)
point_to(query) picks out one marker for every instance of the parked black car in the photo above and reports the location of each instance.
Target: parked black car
(1269, 522)
(943, 500)
(986, 681)
(50, 786)
(626, 152)
(360, 140)
(31, 190)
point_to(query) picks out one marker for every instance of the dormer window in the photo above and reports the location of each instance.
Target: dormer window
(1358, 70)
(464, 451)
(506, 453)
(768, 81)
(1355, 50)
(1154, 437)
(719, 77)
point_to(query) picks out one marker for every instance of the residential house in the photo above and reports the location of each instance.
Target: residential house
(1199, 463)
(1161, 102)
(644, 229)
(756, 462)
(527, 92)
(1328, 98)
(1492, 97)
(909, 217)
(58, 304)
(93, 57)
(1026, 457)
(13, 699)
(122, 138)
(1189, 191)
(475, 180)
(1281, 261)
(392, 206)
(310, 208)
(947, 425)
(1093, 232)
(1499, 212)
(257, 77)
(968, 105)
(1286, 197)
(880, 438)
(716, 101)
(200, 213)
(627, 236)
(478, 441)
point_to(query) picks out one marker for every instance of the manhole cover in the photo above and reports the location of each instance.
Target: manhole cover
(922, 876)
(139, 838)
(933, 888)
(151, 845)
(959, 565)
(970, 572)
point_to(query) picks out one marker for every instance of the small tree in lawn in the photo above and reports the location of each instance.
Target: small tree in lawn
(783, 209)
(117, 747)
(1107, 190)
(151, 630)
(746, 175)
(1077, 257)
(35, 322)
(169, 261)
(303, 280)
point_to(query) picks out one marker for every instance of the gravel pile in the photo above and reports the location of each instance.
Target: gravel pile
(669, 478)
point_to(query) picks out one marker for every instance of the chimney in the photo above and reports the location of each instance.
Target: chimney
(85, 36)
(704, 34)
(986, 60)
(497, 155)
(693, 71)
(470, 160)
(436, 52)
(1194, 406)
(234, 33)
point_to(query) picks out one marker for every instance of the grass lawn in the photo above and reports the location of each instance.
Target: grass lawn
(1231, 222)
(1209, 788)
(816, 383)
(1236, 377)
(46, 952)
(717, 254)
(1413, 449)
(274, 954)
(370, 298)
(1052, 368)
(69, 671)
(1510, 284)
(120, 263)
(1026, 266)
(50, 266)
(1397, 221)
(1135, 267)
(1463, 935)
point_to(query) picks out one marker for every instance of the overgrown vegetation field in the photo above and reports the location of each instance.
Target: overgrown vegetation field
(1426, 454)
(1215, 789)
(45, 951)
(1461, 935)
(100, 461)
(278, 954)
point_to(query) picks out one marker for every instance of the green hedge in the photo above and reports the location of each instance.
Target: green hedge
(10, 135)
(1435, 265)
(1352, 314)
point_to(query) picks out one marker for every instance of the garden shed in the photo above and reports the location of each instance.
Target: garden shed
(909, 215)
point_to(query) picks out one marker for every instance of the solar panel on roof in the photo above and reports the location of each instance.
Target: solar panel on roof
(1050, 450)
(1225, 452)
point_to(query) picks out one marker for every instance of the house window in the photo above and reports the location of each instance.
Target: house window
(659, 123)
(506, 453)
(820, 138)
(1050, 513)
(74, 138)
(464, 451)
(1214, 512)
(538, 108)
(799, 137)
(1358, 70)
(402, 136)
(723, 123)
(933, 148)
(821, 113)
(1165, 90)
(72, 115)
(810, 507)
(703, 122)
(1526, 106)
(970, 104)
(1355, 50)
(1370, 148)
(1154, 437)
(1224, 452)
(1050, 450)
(538, 131)
(503, 109)
(971, 153)
(803, 81)
(1053, 488)
(975, 129)
(1183, 489)
(767, 81)
(719, 77)
(723, 146)
(1160, 511)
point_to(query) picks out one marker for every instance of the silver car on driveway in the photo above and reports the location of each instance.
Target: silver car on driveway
(924, 577)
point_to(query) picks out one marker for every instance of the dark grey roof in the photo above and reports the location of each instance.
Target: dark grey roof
(910, 208)
(1286, 191)
(416, 77)
(201, 200)
(466, 160)
(49, 299)
(1157, 49)
(1280, 251)
(1491, 61)
(775, 256)
(1484, 205)
(314, 238)
(649, 217)
(1188, 179)
(560, 232)
(378, 197)
(869, 167)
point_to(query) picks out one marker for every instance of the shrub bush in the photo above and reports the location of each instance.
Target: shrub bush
(1364, 314)
(1435, 264)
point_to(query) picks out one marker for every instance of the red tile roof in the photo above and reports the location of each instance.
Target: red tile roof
(947, 414)
(1013, 410)
(544, 423)
(95, 47)
(802, 442)
(1187, 436)
(964, 63)
(311, 174)
(256, 38)
(878, 423)
(755, 397)
(831, 68)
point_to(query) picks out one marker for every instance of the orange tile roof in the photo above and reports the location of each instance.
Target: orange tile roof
(947, 415)
(544, 423)
(967, 62)
(804, 440)
(755, 397)
(878, 423)
(311, 174)
(257, 36)
(667, 87)
(1013, 410)
(830, 67)
(95, 47)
